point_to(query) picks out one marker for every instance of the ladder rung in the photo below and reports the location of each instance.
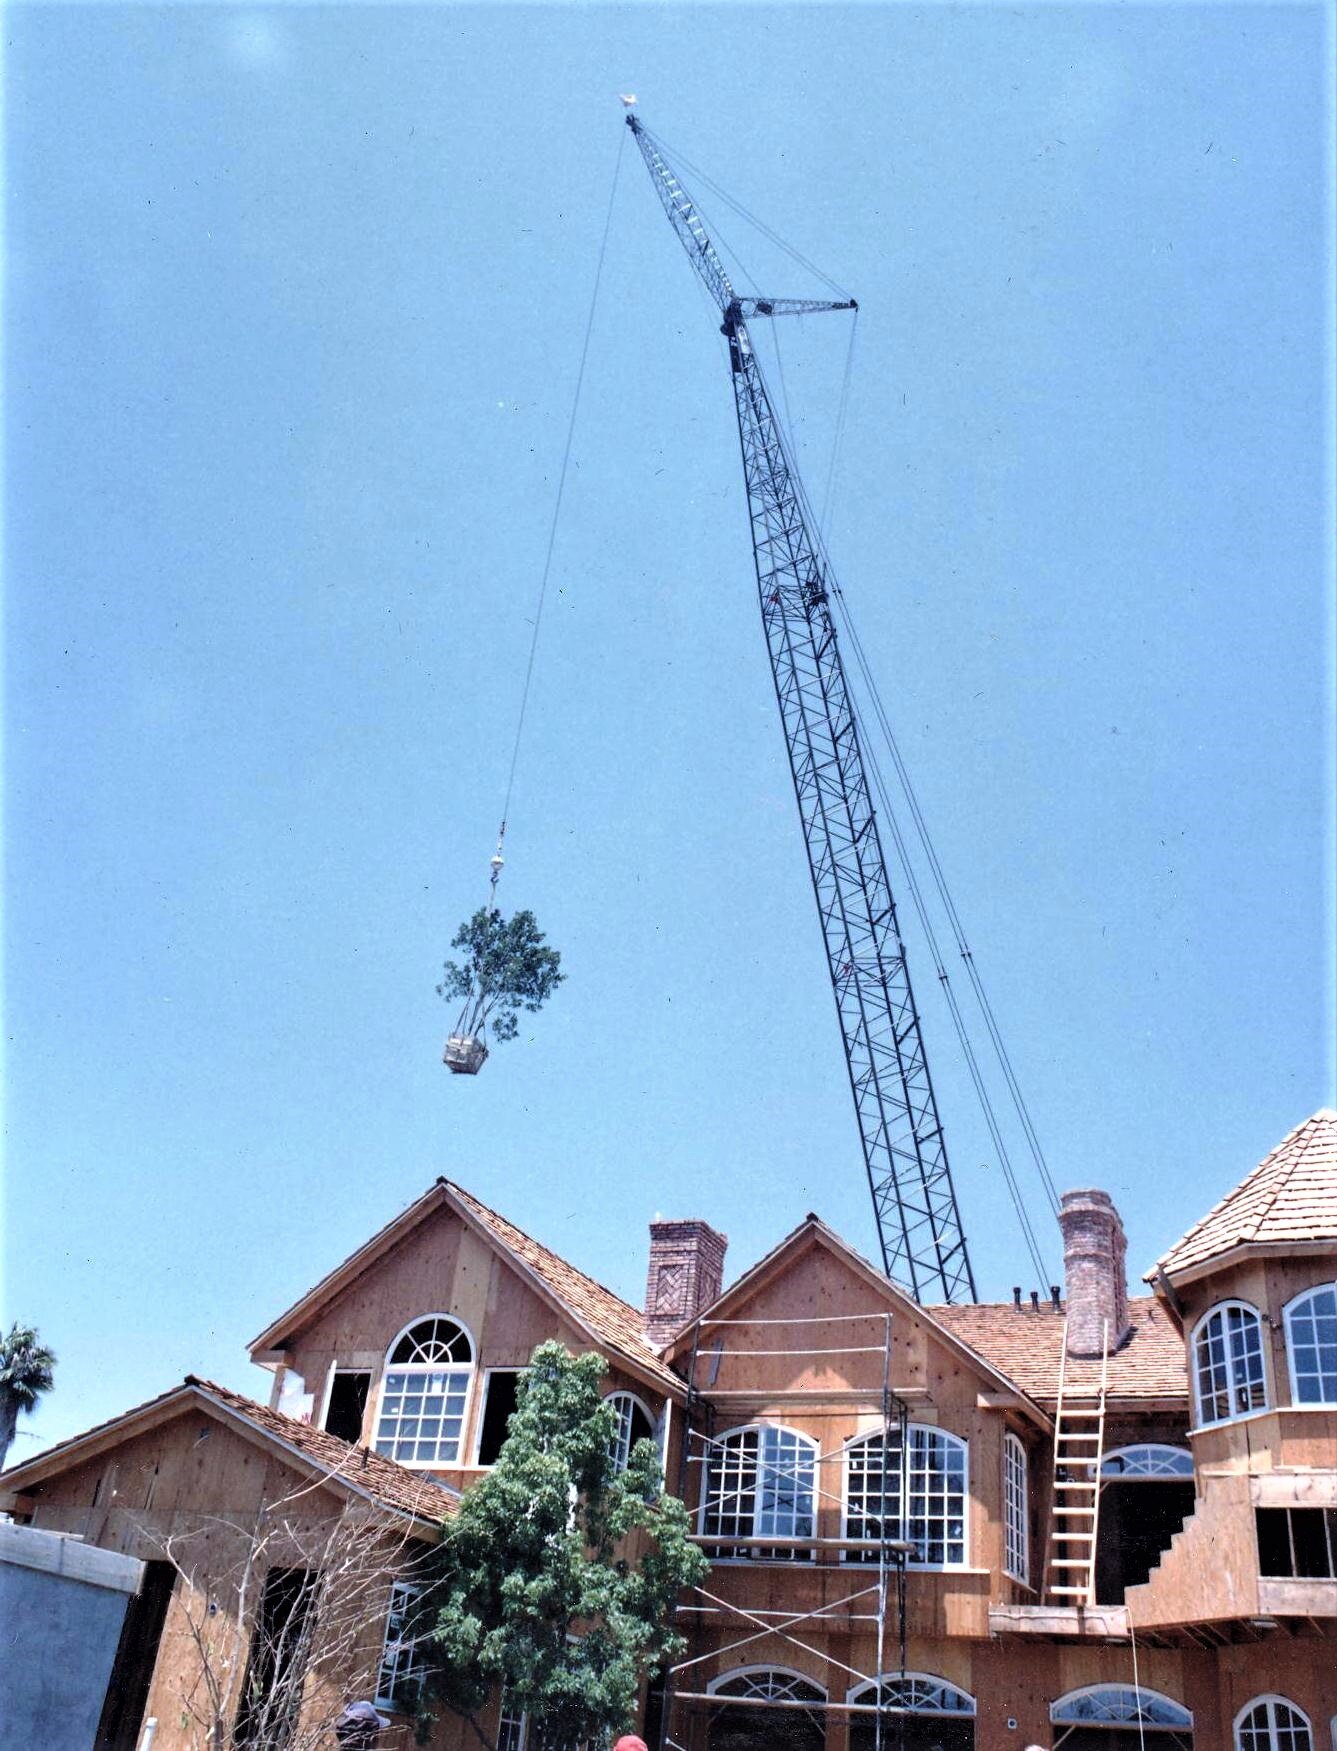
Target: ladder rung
(1071, 1537)
(1060, 1485)
(1076, 1513)
(1072, 1592)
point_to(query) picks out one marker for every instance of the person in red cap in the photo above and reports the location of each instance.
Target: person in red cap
(629, 1742)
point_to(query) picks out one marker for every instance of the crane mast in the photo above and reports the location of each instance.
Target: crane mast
(914, 1201)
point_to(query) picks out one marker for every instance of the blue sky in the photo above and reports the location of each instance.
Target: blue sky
(293, 307)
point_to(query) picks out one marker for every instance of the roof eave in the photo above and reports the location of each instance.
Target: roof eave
(1235, 1254)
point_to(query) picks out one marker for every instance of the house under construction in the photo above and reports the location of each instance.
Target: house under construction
(1073, 1519)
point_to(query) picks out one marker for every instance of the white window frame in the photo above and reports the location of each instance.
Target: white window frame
(759, 1553)
(870, 1690)
(622, 1458)
(1016, 1510)
(1287, 1313)
(1139, 1692)
(523, 1727)
(868, 1558)
(476, 1445)
(1270, 1698)
(399, 1648)
(1181, 1476)
(738, 1672)
(1221, 1309)
(458, 1463)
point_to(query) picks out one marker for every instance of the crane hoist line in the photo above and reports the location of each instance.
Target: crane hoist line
(914, 1200)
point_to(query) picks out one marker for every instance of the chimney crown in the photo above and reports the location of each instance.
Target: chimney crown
(685, 1276)
(1094, 1248)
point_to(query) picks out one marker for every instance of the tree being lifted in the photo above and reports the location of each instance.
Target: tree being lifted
(507, 967)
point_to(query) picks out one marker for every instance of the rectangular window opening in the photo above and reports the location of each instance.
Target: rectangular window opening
(502, 1386)
(347, 1409)
(1297, 1543)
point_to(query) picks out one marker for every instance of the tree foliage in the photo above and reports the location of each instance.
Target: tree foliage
(27, 1370)
(558, 1575)
(507, 967)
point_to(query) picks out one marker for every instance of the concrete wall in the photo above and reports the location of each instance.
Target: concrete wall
(62, 1605)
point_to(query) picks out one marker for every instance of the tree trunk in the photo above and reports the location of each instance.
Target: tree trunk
(9, 1416)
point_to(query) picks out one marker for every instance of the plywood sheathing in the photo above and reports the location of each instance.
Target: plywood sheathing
(612, 1325)
(313, 1452)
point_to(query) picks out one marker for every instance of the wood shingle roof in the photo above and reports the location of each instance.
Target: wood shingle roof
(354, 1470)
(1027, 1346)
(1289, 1199)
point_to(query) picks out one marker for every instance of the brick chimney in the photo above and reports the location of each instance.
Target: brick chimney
(1093, 1264)
(686, 1275)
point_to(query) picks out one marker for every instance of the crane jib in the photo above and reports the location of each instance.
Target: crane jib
(914, 1200)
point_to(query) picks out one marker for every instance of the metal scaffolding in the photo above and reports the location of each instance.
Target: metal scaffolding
(880, 1600)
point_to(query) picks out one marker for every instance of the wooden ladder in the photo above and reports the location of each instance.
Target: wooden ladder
(1074, 1514)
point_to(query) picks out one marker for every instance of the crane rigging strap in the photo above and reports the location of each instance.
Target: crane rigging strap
(498, 858)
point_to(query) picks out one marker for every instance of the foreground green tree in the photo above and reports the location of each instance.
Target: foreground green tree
(507, 967)
(27, 1370)
(557, 1578)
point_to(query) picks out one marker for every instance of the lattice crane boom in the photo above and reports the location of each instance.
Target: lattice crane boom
(914, 1200)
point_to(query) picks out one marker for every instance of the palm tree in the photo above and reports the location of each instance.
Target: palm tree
(26, 1372)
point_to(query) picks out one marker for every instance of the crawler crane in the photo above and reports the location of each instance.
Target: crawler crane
(914, 1201)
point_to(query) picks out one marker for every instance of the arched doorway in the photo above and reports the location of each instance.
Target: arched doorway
(1118, 1717)
(924, 1713)
(766, 1708)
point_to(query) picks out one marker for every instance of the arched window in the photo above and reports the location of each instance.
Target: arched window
(634, 1423)
(1016, 1539)
(744, 1720)
(922, 1713)
(1151, 1459)
(916, 1492)
(1228, 1363)
(1119, 1717)
(1311, 1344)
(1270, 1723)
(426, 1393)
(759, 1484)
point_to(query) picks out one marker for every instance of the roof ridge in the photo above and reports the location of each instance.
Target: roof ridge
(473, 1199)
(1280, 1178)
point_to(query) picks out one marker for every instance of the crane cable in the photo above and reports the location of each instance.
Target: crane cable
(821, 531)
(497, 859)
(1015, 1193)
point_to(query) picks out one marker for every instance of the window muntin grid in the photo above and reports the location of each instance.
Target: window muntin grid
(1311, 1343)
(917, 1493)
(769, 1684)
(774, 1684)
(1272, 1724)
(759, 1483)
(1228, 1363)
(1119, 1705)
(1016, 1544)
(402, 1665)
(918, 1693)
(425, 1394)
(634, 1423)
(1150, 1459)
